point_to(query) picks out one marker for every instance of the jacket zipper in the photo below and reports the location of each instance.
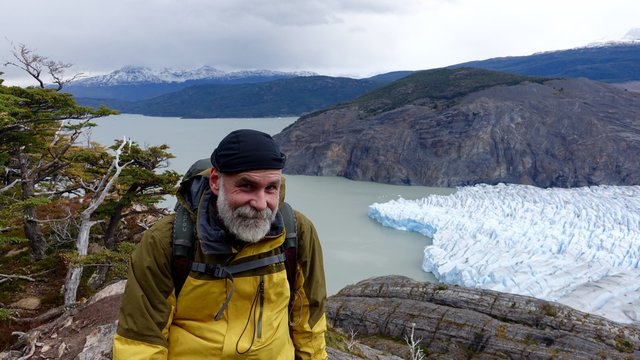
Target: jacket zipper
(261, 290)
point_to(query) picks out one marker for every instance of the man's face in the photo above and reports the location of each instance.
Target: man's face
(248, 201)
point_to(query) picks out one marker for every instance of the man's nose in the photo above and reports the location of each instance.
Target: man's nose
(259, 201)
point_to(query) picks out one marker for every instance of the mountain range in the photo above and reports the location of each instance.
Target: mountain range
(610, 62)
(134, 83)
(208, 92)
(137, 75)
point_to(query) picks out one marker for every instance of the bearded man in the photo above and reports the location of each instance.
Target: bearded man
(218, 313)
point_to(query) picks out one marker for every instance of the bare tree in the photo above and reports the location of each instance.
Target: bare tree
(415, 351)
(352, 340)
(82, 243)
(34, 65)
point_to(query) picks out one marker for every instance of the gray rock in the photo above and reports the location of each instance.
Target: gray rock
(28, 303)
(99, 343)
(457, 322)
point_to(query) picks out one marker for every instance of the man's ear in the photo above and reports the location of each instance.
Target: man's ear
(214, 181)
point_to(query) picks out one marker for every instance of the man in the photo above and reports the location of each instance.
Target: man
(217, 314)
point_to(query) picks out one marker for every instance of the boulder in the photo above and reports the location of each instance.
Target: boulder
(28, 303)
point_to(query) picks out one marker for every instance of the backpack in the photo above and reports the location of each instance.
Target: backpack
(183, 241)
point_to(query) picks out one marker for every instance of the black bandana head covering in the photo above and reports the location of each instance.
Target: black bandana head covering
(245, 150)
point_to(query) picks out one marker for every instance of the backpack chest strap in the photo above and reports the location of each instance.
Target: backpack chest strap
(220, 271)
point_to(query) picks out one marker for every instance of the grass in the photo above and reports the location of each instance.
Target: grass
(529, 340)
(337, 339)
(8, 241)
(438, 88)
(501, 331)
(441, 287)
(5, 314)
(549, 310)
(623, 345)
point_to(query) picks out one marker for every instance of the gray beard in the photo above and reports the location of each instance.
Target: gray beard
(245, 222)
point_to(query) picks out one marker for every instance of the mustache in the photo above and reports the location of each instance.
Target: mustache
(247, 212)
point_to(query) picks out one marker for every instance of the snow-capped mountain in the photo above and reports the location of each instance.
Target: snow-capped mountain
(632, 37)
(137, 75)
(606, 60)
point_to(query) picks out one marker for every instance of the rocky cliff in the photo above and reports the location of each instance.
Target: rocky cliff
(372, 319)
(433, 128)
(457, 323)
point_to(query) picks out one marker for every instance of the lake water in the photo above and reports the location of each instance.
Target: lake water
(354, 246)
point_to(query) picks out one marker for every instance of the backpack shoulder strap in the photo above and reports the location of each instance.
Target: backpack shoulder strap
(182, 247)
(290, 250)
(289, 219)
(183, 227)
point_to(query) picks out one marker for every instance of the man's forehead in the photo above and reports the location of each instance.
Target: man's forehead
(258, 176)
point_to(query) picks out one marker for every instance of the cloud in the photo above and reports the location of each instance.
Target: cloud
(334, 37)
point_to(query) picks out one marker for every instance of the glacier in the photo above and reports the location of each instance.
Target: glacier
(579, 247)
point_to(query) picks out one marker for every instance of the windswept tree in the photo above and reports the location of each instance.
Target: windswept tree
(38, 127)
(128, 207)
(38, 66)
(140, 188)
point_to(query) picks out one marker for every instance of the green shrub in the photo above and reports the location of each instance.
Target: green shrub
(5, 314)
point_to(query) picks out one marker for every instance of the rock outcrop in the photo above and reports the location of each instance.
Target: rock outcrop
(82, 333)
(376, 315)
(553, 133)
(455, 322)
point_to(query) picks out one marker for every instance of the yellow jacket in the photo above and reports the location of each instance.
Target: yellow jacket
(154, 324)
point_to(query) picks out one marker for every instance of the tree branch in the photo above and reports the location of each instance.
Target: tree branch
(6, 188)
(104, 191)
(56, 70)
(6, 229)
(6, 277)
(28, 61)
(50, 314)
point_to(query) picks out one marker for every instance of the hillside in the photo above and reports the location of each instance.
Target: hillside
(612, 63)
(451, 127)
(439, 88)
(286, 97)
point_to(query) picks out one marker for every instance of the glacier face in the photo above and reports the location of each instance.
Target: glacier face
(579, 247)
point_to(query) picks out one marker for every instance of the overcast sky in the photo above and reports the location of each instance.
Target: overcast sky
(354, 38)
